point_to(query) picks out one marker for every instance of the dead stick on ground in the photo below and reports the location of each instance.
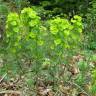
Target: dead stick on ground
(3, 77)
(10, 92)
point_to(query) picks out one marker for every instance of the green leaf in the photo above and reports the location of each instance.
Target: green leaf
(54, 30)
(32, 35)
(16, 29)
(40, 42)
(14, 23)
(33, 23)
(57, 41)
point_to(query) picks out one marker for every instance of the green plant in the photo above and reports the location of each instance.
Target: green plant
(93, 83)
(24, 36)
(64, 33)
(3, 14)
(33, 40)
(89, 24)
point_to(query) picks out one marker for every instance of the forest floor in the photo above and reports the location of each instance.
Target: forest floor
(22, 85)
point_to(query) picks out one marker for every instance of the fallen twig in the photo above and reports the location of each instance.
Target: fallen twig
(3, 77)
(10, 92)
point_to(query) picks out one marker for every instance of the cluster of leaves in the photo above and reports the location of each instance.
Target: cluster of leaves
(64, 32)
(5, 7)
